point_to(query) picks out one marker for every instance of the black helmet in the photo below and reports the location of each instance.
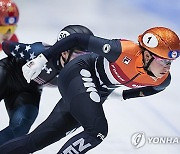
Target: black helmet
(71, 29)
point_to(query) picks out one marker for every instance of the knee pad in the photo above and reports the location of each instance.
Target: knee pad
(22, 120)
(21, 127)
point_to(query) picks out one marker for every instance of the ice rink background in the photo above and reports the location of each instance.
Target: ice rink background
(158, 115)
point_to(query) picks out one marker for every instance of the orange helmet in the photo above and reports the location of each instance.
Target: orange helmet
(161, 41)
(9, 16)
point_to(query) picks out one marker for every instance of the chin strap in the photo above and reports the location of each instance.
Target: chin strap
(149, 72)
(148, 64)
(69, 56)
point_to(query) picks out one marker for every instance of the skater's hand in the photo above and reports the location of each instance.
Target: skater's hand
(33, 68)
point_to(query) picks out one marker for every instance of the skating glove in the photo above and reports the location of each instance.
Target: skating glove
(34, 67)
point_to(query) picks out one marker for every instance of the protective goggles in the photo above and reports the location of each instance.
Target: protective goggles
(162, 61)
(7, 29)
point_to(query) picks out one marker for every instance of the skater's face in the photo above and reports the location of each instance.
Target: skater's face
(6, 32)
(66, 54)
(159, 66)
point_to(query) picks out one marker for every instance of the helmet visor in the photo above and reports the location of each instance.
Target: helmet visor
(7, 29)
(162, 61)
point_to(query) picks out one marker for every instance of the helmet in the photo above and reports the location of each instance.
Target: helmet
(71, 29)
(161, 41)
(9, 16)
(9, 13)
